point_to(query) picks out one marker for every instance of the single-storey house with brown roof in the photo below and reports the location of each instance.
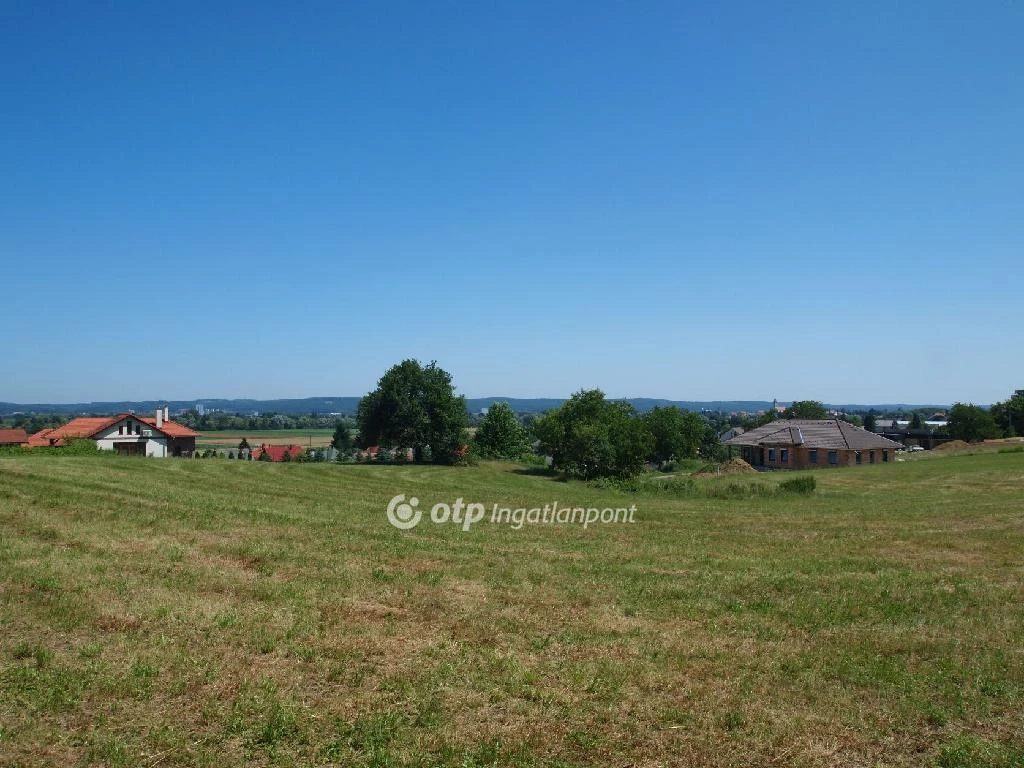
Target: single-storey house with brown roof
(126, 433)
(13, 437)
(812, 444)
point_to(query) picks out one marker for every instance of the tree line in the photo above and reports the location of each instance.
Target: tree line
(972, 423)
(218, 422)
(415, 406)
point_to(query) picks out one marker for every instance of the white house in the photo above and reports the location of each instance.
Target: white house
(126, 433)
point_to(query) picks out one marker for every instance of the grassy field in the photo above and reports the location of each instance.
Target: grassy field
(216, 613)
(315, 438)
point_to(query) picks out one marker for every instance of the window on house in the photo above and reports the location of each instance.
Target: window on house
(784, 455)
(833, 457)
(138, 429)
(857, 457)
(871, 457)
(771, 454)
(120, 429)
(812, 456)
(885, 457)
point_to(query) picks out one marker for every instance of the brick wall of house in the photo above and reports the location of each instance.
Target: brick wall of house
(799, 457)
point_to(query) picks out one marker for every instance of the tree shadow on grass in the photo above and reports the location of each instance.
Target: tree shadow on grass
(540, 472)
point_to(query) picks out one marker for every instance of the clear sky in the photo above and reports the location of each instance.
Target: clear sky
(686, 200)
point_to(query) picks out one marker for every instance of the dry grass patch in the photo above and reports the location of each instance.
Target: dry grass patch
(227, 613)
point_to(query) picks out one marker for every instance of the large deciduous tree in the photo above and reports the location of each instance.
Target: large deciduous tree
(676, 434)
(342, 438)
(415, 406)
(500, 435)
(806, 409)
(590, 437)
(1009, 414)
(971, 423)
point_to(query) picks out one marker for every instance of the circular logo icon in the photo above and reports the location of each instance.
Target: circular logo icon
(404, 515)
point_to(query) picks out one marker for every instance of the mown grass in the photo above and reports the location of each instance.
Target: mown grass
(217, 613)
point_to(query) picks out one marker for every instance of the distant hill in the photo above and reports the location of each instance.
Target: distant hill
(348, 405)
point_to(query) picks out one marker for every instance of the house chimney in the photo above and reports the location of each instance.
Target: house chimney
(167, 413)
(159, 418)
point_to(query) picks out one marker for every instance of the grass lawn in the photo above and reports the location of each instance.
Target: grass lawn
(219, 613)
(315, 438)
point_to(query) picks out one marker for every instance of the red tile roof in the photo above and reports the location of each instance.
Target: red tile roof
(277, 452)
(88, 426)
(41, 439)
(13, 436)
(169, 428)
(85, 426)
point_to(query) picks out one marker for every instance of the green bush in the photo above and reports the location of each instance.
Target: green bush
(735, 490)
(804, 485)
(687, 487)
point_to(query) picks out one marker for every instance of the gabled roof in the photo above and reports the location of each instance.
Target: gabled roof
(39, 439)
(813, 433)
(169, 428)
(89, 426)
(84, 426)
(13, 436)
(277, 452)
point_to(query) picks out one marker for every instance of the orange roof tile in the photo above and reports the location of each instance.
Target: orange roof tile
(87, 426)
(13, 436)
(277, 452)
(40, 439)
(84, 426)
(169, 428)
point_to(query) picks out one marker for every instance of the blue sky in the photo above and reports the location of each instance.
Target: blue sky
(682, 200)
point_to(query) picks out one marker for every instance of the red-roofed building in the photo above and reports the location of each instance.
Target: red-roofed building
(13, 437)
(126, 433)
(39, 439)
(277, 452)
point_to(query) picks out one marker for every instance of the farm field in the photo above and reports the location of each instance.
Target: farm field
(315, 438)
(217, 613)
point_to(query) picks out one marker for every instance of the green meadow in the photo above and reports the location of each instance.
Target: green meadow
(226, 613)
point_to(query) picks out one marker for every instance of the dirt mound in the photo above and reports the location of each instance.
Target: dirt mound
(730, 467)
(952, 445)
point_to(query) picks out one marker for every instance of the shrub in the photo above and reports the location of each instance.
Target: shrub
(735, 490)
(589, 437)
(500, 435)
(804, 485)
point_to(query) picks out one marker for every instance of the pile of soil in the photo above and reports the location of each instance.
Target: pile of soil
(952, 445)
(730, 467)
